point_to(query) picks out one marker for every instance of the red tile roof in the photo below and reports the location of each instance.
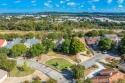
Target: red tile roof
(1, 42)
(108, 75)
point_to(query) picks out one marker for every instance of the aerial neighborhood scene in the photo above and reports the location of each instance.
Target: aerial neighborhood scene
(62, 41)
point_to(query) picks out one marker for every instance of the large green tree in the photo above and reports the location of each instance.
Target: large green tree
(4, 50)
(105, 44)
(92, 33)
(78, 71)
(65, 46)
(36, 50)
(6, 64)
(76, 46)
(49, 45)
(18, 50)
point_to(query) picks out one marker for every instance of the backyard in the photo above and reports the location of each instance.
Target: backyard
(59, 63)
(17, 72)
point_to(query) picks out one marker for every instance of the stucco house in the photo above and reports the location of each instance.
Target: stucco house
(3, 75)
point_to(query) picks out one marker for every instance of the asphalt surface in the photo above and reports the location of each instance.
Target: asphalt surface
(61, 77)
(90, 62)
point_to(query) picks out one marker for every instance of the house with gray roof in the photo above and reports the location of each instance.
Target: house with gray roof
(30, 42)
(14, 42)
(59, 43)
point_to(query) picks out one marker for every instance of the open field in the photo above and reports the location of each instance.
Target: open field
(59, 63)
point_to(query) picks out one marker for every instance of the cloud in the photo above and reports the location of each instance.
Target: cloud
(120, 1)
(95, 0)
(71, 4)
(4, 4)
(120, 6)
(57, 5)
(17, 1)
(47, 5)
(62, 2)
(109, 1)
(33, 1)
(93, 7)
(49, 1)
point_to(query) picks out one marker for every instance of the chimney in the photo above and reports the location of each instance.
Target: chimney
(111, 74)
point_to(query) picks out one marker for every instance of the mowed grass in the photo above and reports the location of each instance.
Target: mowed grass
(59, 63)
(21, 73)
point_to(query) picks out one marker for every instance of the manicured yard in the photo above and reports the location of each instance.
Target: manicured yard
(59, 63)
(21, 73)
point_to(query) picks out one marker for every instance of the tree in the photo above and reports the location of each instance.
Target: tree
(92, 33)
(26, 81)
(121, 81)
(88, 80)
(78, 71)
(80, 34)
(51, 81)
(65, 46)
(105, 44)
(36, 50)
(18, 50)
(6, 64)
(4, 50)
(52, 36)
(76, 46)
(48, 44)
(25, 66)
(121, 48)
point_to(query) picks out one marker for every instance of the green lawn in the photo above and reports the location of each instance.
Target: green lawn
(59, 63)
(21, 73)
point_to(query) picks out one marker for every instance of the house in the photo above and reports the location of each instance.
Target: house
(122, 67)
(108, 76)
(3, 43)
(59, 43)
(92, 41)
(113, 37)
(30, 42)
(14, 42)
(3, 75)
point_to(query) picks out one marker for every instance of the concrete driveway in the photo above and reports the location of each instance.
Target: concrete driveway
(94, 73)
(59, 76)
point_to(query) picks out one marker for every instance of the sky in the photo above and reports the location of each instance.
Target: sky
(18, 6)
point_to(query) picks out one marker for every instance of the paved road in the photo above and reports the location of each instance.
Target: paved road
(88, 63)
(94, 73)
(61, 77)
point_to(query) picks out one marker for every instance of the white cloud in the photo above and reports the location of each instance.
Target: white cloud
(109, 1)
(57, 5)
(47, 5)
(33, 1)
(71, 4)
(93, 7)
(120, 1)
(95, 1)
(49, 1)
(120, 6)
(4, 4)
(62, 2)
(17, 1)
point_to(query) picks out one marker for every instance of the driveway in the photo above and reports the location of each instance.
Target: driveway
(61, 77)
(90, 62)
(94, 73)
